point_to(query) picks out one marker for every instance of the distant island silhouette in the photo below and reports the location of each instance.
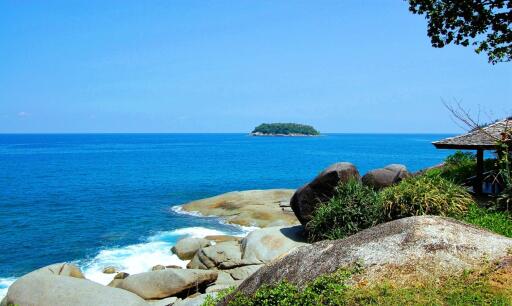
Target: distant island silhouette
(284, 129)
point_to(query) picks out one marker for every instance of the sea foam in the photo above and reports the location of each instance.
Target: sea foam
(141, 257)
(4, 285)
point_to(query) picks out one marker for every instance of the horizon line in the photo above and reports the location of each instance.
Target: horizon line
(219, 133)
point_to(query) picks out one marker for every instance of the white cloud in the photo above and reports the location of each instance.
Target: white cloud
(23, 114)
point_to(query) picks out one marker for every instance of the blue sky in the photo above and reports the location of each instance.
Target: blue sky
(226, 66)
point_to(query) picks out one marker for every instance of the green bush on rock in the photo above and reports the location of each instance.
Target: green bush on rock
(424, 195)
(487, 286)
(354, 207)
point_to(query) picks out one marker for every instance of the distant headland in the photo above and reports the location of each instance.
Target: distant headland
(284, 129)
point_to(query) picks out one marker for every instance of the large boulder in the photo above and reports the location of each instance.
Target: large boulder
(186, 248)
(259, 208)
(243, 272)
(307, 198)
(164, 283)
(228, 253)
(52, 287)
(385, 177)
(266, 244)
(401, 251)
(62, 269)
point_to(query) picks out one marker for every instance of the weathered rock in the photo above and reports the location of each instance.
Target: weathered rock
(307, 198)
(114, 283)
(194, 301)
(158, 267)
(186, 248)
(266, 244)
(385, 177)
(173, 267)
(243, 272)
(40, 288)
(222, 238)
(401, 251)
(224, 278)
(163, 302)
(212, 256)
(62, 269)
(165, 283)
(217, 288)
(109, 270)
(117, 279)
(121, 275)
(259, 208)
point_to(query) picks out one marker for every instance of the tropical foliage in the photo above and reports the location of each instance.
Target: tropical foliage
(483, 24)
(425, 195)
(354, 207)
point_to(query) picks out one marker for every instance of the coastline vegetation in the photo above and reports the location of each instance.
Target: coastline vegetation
(355, 207)
(486, 286)
(285, 129)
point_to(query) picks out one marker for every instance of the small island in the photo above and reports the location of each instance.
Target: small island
(284, 129)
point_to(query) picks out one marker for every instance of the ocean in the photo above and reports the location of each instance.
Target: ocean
(110, 199)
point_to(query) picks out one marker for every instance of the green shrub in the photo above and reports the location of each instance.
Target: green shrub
(354, 207)
(327, 289)
(213, 300)
(495, 221)
(486, 286)
(424, 195)
(459, 167)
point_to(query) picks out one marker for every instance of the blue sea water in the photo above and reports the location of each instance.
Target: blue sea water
(105, 199)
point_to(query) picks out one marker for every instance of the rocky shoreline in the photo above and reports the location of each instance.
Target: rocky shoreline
(215, 262)
(399, 251)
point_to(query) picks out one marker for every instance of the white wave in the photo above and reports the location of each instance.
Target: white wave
(141, 257)
(4, 285)
(179, 210)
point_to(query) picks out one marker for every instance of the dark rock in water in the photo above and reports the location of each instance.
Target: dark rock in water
(385, 177)
(322, 188)
(400, 251)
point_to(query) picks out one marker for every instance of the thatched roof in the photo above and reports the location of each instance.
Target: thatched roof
(483, 138)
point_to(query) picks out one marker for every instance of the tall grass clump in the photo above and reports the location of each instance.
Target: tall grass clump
(354, 207)
(424, 195)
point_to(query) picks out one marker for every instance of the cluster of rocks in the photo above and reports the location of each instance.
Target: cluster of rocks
(323, 187)
(398, 252)
(216, 263)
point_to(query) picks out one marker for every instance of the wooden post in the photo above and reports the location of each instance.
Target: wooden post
(479, 171)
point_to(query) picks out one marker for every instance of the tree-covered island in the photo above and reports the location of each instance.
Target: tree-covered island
(284, 129)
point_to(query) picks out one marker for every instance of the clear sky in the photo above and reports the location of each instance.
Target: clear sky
(226, 66)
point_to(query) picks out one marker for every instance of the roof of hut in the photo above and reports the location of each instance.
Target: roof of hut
(483, 138)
